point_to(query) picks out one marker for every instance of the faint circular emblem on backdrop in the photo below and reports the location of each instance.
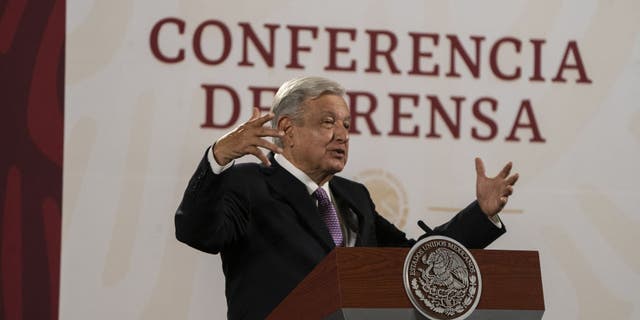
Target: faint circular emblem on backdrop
(442, 279)
(387, 193)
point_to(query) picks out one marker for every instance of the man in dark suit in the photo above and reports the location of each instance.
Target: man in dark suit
(273, 223)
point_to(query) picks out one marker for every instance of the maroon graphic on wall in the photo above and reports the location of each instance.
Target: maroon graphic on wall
(32, 35)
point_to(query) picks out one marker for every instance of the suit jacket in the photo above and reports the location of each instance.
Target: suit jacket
(270, 235)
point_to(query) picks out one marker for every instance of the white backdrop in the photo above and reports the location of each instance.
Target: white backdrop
(134, 135)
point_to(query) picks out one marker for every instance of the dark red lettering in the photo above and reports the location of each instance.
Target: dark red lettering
(397, 115)
(477, 113)
(267, 55)
(456, 47)
(572, 47)
(257, 97)
(366, 115)
(417, 54)
(296, 48)
(153, 40)
(334, 49)
(226, 42)
(493, 59)
(525, 108)
(374, 51)
(209, 121)
(537, 64)
(436, 107)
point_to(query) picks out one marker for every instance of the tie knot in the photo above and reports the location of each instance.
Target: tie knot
(320, 195)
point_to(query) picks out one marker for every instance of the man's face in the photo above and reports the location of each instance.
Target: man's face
(320, 140)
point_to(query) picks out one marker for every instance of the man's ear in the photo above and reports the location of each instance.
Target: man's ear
(285, 124)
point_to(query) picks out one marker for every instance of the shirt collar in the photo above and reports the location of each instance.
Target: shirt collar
(300, 175)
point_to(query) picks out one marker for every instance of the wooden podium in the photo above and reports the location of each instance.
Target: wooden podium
(366, 283)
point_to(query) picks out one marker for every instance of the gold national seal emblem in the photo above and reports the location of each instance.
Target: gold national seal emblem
(442, 279)
(388, 194)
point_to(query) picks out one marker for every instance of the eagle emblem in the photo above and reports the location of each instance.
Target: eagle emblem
(442, 279)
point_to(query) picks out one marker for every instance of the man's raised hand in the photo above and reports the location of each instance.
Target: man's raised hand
(493, 193)
(246, 139)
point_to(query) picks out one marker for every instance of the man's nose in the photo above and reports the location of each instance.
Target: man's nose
(341, 133)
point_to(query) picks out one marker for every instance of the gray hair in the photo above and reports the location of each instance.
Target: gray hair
(292, 95)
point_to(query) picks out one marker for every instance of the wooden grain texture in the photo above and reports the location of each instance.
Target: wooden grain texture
(317, 296)
(372, 278)
(510, 280)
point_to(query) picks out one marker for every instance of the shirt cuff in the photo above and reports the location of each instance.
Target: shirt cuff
(215, 167)
(496, 221)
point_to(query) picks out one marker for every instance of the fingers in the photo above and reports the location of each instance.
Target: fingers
(255, 114)
(258, 120)
(479, 167)
(260, 155)
(512, 180)
(506, 170)
(248, 138)
(255, 131)
(269, 132)
(267, 145)
(508, 190)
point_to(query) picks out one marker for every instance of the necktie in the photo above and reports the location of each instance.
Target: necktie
(329, 215)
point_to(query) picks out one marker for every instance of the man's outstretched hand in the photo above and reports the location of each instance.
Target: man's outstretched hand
(246, 139)
(493, 193)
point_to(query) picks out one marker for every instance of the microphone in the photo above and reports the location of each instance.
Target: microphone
(424, 227)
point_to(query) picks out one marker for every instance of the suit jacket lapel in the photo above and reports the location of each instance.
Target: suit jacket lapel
(289, 189)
